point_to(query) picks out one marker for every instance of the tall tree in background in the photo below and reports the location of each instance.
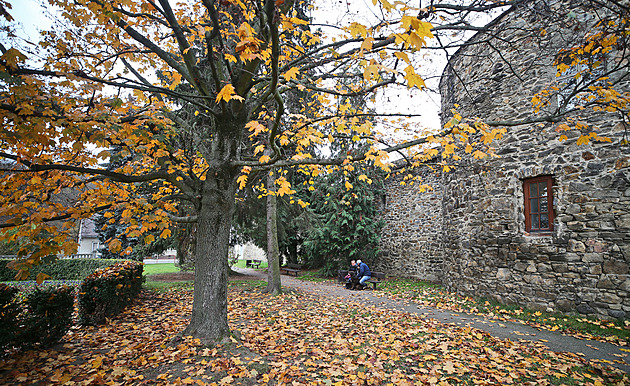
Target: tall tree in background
(223, 69)
(348, 226)
(293, 219)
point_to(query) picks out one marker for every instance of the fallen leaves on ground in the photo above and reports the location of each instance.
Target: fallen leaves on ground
(437, 297)
(294, 339)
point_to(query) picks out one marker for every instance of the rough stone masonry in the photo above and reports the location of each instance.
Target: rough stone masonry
(469, 232)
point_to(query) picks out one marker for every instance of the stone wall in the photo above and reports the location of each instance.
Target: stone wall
(411, 242)
(582, 265)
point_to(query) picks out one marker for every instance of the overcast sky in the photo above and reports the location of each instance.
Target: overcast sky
(30, 15)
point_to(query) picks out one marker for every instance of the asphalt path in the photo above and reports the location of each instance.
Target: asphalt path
(555, 341)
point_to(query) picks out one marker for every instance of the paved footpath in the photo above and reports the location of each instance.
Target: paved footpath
(555, 341)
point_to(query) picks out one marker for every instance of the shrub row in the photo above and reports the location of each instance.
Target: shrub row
(41, 317)
(63, 269)
(107, 291)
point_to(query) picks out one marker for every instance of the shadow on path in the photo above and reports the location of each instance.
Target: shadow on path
(590, 349)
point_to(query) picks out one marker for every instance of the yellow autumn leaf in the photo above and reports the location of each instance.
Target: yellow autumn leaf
(97, 362)
(242, 181)
(12, 57)
(448, 367)
(285, 189)
(256, 127)
(367, 44)
(478, 154)
(415, 40)
(165, 233)
(348, 185)
(424, 29)
(583, 140)
(227, 93)
(371, 71)
(387, 6)
(357, 29)
(402, 56)
(177, 79)
(413, 79)
(291, 74)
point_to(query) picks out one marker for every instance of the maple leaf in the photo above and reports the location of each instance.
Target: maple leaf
(291, 73)
(227, 93)
(12, 57)
(370, 71)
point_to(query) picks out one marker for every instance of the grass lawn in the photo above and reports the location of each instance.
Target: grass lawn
(154, 269)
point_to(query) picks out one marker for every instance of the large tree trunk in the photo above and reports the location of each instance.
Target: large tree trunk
(273, 254)
(208, 321)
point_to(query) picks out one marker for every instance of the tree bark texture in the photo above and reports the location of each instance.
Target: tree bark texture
(273, 254)
(209, 320)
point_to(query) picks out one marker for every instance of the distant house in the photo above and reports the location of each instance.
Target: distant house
(89, 243)
(88, 239)
(249, 251)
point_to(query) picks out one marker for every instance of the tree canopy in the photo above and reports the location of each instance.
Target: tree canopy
(194, 96)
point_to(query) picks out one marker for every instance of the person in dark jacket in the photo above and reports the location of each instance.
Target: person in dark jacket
(351, 278)
(364, 273)
(353, 266)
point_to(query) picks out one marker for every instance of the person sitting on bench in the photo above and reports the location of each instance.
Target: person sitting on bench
(364, 273)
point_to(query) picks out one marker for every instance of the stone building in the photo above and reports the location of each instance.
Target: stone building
(546, 224)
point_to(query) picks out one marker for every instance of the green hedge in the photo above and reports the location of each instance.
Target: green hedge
(40, 318)
(9, 311)
(65, 269)
(107, 291)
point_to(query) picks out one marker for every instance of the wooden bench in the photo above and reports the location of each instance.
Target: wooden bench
(377, 277)
(291, 268)
(253, 263)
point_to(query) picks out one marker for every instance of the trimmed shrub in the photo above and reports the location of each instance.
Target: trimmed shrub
(9, 311)
(39, 317)
(64, 269)
(48, 315)
(107, 291)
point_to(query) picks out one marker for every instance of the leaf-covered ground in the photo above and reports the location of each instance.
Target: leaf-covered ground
(293, 339)
(435, 296)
